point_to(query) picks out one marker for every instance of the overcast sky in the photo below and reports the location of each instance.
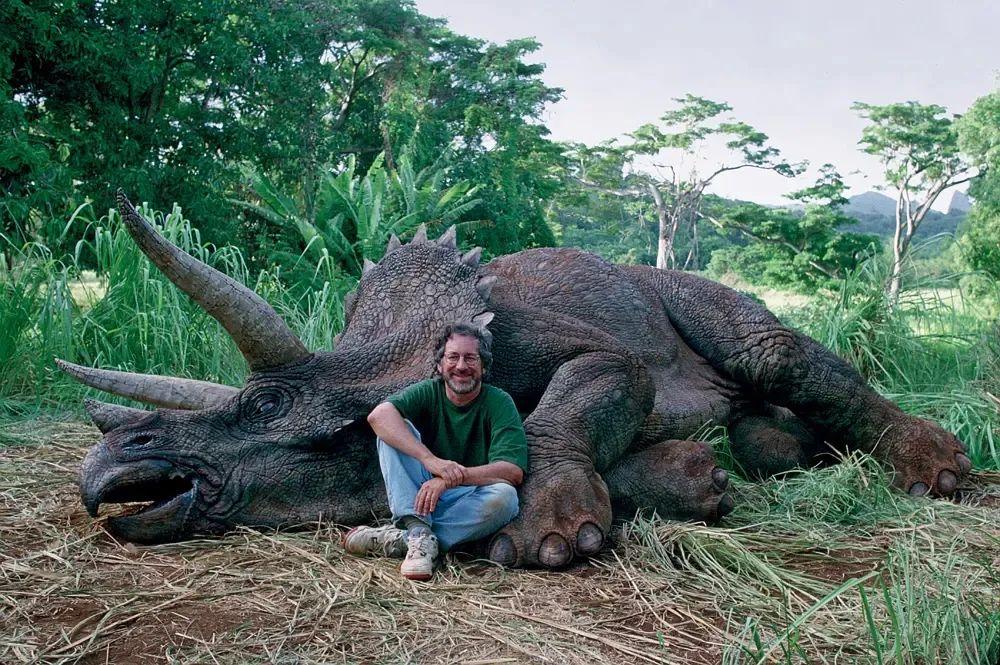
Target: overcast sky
(790, 68)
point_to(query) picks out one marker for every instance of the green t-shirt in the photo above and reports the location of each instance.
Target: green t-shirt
(487, 430)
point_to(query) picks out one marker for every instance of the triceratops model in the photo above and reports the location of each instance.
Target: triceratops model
(615, 367)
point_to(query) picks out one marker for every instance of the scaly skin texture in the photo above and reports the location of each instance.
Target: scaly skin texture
(614, 366)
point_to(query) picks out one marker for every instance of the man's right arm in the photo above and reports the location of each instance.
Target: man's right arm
(389, 426)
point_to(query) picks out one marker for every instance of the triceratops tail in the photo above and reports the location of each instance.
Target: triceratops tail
(262, 336)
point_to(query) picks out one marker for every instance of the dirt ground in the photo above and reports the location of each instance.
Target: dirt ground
(70, 593)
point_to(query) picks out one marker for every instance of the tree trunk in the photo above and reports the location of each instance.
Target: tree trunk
(664, 249)
(692, 257)
(908, 221)
(896, 269)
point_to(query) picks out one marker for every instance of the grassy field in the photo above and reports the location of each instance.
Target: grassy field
(820, 566)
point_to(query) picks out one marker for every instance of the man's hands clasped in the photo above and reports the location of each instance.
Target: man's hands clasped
(448, 474)
(452, 473)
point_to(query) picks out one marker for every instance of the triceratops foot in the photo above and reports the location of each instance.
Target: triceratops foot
(925, 459)
(680, 480)
(564, 514)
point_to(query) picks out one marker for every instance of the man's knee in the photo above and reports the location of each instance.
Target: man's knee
(501, 503)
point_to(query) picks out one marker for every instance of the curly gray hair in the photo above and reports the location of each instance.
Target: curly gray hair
(465, 330)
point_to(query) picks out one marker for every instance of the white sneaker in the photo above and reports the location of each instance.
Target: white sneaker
(384, 541)
(421, 555)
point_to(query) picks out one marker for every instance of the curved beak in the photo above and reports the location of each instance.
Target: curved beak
(169, 494)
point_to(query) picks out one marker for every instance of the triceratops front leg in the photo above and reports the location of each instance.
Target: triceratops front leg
(584, 422)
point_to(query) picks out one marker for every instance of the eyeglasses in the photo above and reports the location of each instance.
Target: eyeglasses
(470, 359)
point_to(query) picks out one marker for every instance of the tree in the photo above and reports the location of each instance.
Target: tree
(918, 147)
(979, 139)
(677, 189)
(798, 249)
(355, 214)
(166, 99)
(488, 103)
(172, 99)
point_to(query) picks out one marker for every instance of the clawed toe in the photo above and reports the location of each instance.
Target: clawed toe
(720, 478)
(589, 539)
(947, 482)
(726, 505)
(554, 551)
(503, 550)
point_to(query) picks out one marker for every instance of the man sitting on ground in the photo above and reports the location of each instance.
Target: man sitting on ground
(452, 452)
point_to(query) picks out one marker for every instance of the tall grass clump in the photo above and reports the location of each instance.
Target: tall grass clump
(36, 317)
(929, 351)
(829, 565)
(134, 319)
(143, 323)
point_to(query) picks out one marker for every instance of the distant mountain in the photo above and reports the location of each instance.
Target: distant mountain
(871, 203)
(876, 213)
(959, 203)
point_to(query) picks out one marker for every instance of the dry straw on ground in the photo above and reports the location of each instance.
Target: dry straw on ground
(757, 590)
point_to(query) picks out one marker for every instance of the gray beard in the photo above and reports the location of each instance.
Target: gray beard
(460, 389)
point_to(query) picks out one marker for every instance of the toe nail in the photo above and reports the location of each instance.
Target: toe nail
(964, 463)
(554, 551)
(503, 550)
(919, 489)
(720, 478)
(589, 539)
(726, 505)
(946, 482)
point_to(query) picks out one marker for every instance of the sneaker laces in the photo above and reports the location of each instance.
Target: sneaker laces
(419, 545)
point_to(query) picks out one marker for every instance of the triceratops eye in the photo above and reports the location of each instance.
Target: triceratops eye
(266, 404)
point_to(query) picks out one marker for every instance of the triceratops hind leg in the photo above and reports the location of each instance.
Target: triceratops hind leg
(784, 367)
(680, 480)
(584, 422)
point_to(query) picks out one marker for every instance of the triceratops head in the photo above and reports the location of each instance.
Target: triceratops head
(290, 447)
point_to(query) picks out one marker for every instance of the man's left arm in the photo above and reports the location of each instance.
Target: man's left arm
(494, 472)
(508, 448)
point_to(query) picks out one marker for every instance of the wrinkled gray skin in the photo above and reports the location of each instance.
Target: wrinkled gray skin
(616, 366)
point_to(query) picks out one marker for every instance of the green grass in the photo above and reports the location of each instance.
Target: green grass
(830, 565)
(825, 565)
(136, 320)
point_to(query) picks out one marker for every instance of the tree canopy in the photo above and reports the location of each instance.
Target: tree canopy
(675, 183)
(170, 100)
(979, 138)
(800, 249)
(918, 147)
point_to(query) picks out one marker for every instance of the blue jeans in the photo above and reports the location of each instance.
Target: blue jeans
(463, 513)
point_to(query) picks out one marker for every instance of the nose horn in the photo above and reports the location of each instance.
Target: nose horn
(111, 416)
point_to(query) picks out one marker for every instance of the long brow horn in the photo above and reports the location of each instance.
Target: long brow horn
(263, 338)
(167, 391)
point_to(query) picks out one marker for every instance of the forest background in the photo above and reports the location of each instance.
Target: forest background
(285, 142)
(296, 137)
